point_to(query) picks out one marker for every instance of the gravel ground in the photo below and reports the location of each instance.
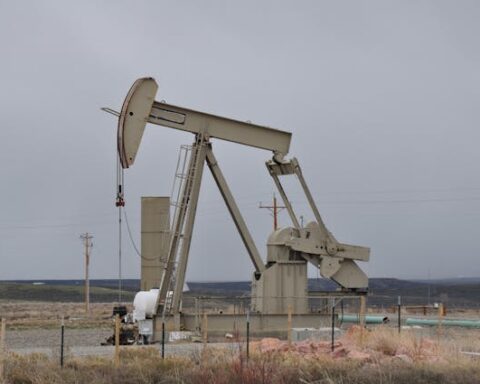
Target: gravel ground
(85, 342)
(183, 349)
(50, 338)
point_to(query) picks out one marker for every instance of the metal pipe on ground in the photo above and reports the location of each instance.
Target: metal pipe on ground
(369, 319)
(444, 322)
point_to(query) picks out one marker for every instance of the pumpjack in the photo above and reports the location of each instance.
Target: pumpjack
(281, 281)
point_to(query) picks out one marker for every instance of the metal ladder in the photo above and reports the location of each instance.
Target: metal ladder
(182, 189)
(180, 180)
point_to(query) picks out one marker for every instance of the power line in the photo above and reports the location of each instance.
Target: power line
(275, 209)
(87, 242)
(132, 241)
(398, 201)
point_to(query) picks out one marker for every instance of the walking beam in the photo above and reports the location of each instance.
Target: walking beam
(140, 108)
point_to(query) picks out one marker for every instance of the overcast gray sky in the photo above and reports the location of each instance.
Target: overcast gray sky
(382, 98)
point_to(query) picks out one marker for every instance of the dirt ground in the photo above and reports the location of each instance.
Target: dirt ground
(50, 338)
(38, 324)
(34, 314)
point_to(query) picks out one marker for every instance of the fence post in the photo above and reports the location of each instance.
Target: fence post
(440, 316)
(333, 324)
(248, 335)
(362, 317)
(163, 338)
(62, 339)
(363, 310)
(2, 350)
(205, 328)
(399, 313)
(197, 319)
(289, 324)
(117, 340)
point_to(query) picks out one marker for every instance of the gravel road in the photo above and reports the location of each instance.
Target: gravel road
(50, 338)
(86, 342)
(184, 349)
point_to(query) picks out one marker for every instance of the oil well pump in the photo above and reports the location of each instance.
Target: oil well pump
(281, 281)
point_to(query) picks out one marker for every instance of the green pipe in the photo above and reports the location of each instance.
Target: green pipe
(445, 322)
(368, 319)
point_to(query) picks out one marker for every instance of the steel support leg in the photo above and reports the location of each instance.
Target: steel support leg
(177, 227)
(190, 221)
(234, 212)
(291, 213)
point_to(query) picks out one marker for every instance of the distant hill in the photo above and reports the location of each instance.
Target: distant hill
(383, 292)
(452, 281)
(315, 285)
(127, 284)
(57, 291)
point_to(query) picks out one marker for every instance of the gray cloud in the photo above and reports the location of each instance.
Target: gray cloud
(382, 99)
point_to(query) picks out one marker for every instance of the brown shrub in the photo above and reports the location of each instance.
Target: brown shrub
(218, 366)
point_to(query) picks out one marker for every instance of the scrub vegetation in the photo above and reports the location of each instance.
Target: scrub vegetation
(361, 357)
(58, 293)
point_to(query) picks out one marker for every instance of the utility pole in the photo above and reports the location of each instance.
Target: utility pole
(275, 209)
(87, 242)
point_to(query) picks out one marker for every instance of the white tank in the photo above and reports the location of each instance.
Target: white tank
(144, 304)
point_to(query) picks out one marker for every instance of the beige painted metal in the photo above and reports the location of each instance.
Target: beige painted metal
(234, 212)
(201, 152)
(289, 207)
(191, 199)
(155, 240)
(293, 167)
(222, 128)
(139, 108)
(261, 325)
(133, 118)
(284, 283)
(283, 280)
(315, 242)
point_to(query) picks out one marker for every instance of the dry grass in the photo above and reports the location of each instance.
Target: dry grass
(218, 368)
(25, 314)
(445, 343)
(435, 346)
(428, 362)
(417, 356)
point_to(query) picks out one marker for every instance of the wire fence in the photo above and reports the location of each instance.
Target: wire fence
(230, 322)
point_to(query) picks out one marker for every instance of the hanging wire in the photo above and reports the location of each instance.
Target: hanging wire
(120, 203)
(132, 241)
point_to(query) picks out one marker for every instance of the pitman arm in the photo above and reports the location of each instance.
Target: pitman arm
(315, 242)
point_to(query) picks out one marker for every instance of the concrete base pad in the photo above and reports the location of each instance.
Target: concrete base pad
(217, 325)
